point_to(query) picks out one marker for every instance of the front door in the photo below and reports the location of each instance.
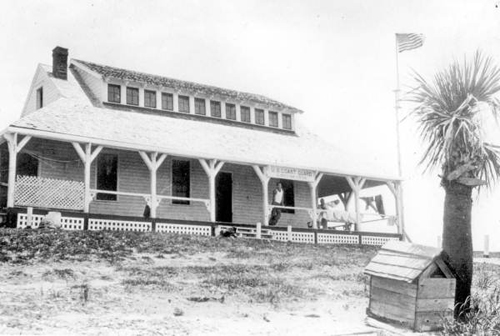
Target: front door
(224, 197)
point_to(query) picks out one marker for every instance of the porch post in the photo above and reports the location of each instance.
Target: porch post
(395, 188)
(87, 158)
(314, 199)
(356, 184)
(153, 163)
(211, 168)
(14, 148)
(264, 179)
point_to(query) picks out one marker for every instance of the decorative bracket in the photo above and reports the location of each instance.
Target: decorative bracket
(148, 200)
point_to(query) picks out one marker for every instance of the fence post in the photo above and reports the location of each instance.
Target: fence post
(29, 218)
(86, 221)
(289, 231)
(486, 252)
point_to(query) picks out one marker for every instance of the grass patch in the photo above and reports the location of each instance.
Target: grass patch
(64, 274)
(483, 317)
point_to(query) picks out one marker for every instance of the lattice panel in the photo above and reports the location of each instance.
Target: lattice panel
(72, 223)
(49, 193)
(118, 225)
(184, 229)
(67, 223)
(374, 240)
(22, 221)
(326, 238)
(303, 237)
(279, 235)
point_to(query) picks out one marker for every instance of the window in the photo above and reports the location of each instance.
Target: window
(27, 165)
(273, 119)
(199, 106)
(39, 98)
(184, 104)
(245, 114)
(231, 111)
(215, 109)
(107, 176)
(149, 98)
(180, 180)
(114, 93)
(289, 195)
(287, 121)
(167, 101)
(132, 96)
(259, 117)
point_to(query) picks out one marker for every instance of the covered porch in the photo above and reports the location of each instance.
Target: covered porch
(71, 184)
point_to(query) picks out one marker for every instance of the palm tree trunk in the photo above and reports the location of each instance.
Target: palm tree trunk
(457, 239)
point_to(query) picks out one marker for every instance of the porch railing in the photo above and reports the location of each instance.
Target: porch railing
(44, 192)
(89, 221)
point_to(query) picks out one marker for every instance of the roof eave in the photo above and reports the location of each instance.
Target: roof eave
(193, 154)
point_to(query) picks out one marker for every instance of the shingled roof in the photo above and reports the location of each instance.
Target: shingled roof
(191, 138)
(404, 261)
(141, 77)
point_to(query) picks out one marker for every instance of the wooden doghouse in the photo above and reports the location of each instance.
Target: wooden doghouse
(411, 285)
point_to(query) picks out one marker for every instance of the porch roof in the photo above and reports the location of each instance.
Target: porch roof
(71, 120)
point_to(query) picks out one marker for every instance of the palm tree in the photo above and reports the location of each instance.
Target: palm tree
(449, 112)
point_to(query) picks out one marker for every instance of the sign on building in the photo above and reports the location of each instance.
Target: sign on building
(295, 174)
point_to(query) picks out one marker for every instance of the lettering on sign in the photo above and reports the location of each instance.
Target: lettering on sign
(291, 173)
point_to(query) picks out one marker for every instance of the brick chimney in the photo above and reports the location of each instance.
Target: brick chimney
(60, 63)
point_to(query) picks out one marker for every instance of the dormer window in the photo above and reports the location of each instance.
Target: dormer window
(231, 111)
(114, 95)
(215, 110)
(167, 101)
(245, 114)
(259, 117)
(39, 98)
(287, 121)
(149, 98)
(132, 96)
(273, 119)
(184, 104)
(199, 106)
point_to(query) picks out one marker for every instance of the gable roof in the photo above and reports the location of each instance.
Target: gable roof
(55, 87)
(402, 261)
(140, 77)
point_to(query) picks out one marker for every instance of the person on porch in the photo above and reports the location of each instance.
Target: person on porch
(278, 197)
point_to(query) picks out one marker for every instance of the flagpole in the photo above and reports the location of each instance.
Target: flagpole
(396, 107)
(400, 168)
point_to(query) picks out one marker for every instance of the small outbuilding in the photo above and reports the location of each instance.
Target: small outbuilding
(411, 285)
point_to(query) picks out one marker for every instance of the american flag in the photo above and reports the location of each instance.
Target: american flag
(409, 41)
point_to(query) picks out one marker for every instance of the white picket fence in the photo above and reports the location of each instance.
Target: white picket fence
(298, 236)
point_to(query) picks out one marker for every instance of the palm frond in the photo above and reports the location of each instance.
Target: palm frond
(447, 110)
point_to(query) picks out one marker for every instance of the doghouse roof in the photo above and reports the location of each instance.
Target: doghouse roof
(406, 262)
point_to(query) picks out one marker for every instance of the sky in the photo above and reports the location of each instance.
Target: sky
(335, 60)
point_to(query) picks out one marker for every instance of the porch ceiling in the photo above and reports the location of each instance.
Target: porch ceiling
(68, 120)
(333, 185)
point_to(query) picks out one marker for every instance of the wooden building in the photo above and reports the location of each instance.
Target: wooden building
(101, 140)
(411, 285)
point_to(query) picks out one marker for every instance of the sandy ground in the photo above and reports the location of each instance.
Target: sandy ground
(92, 300)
